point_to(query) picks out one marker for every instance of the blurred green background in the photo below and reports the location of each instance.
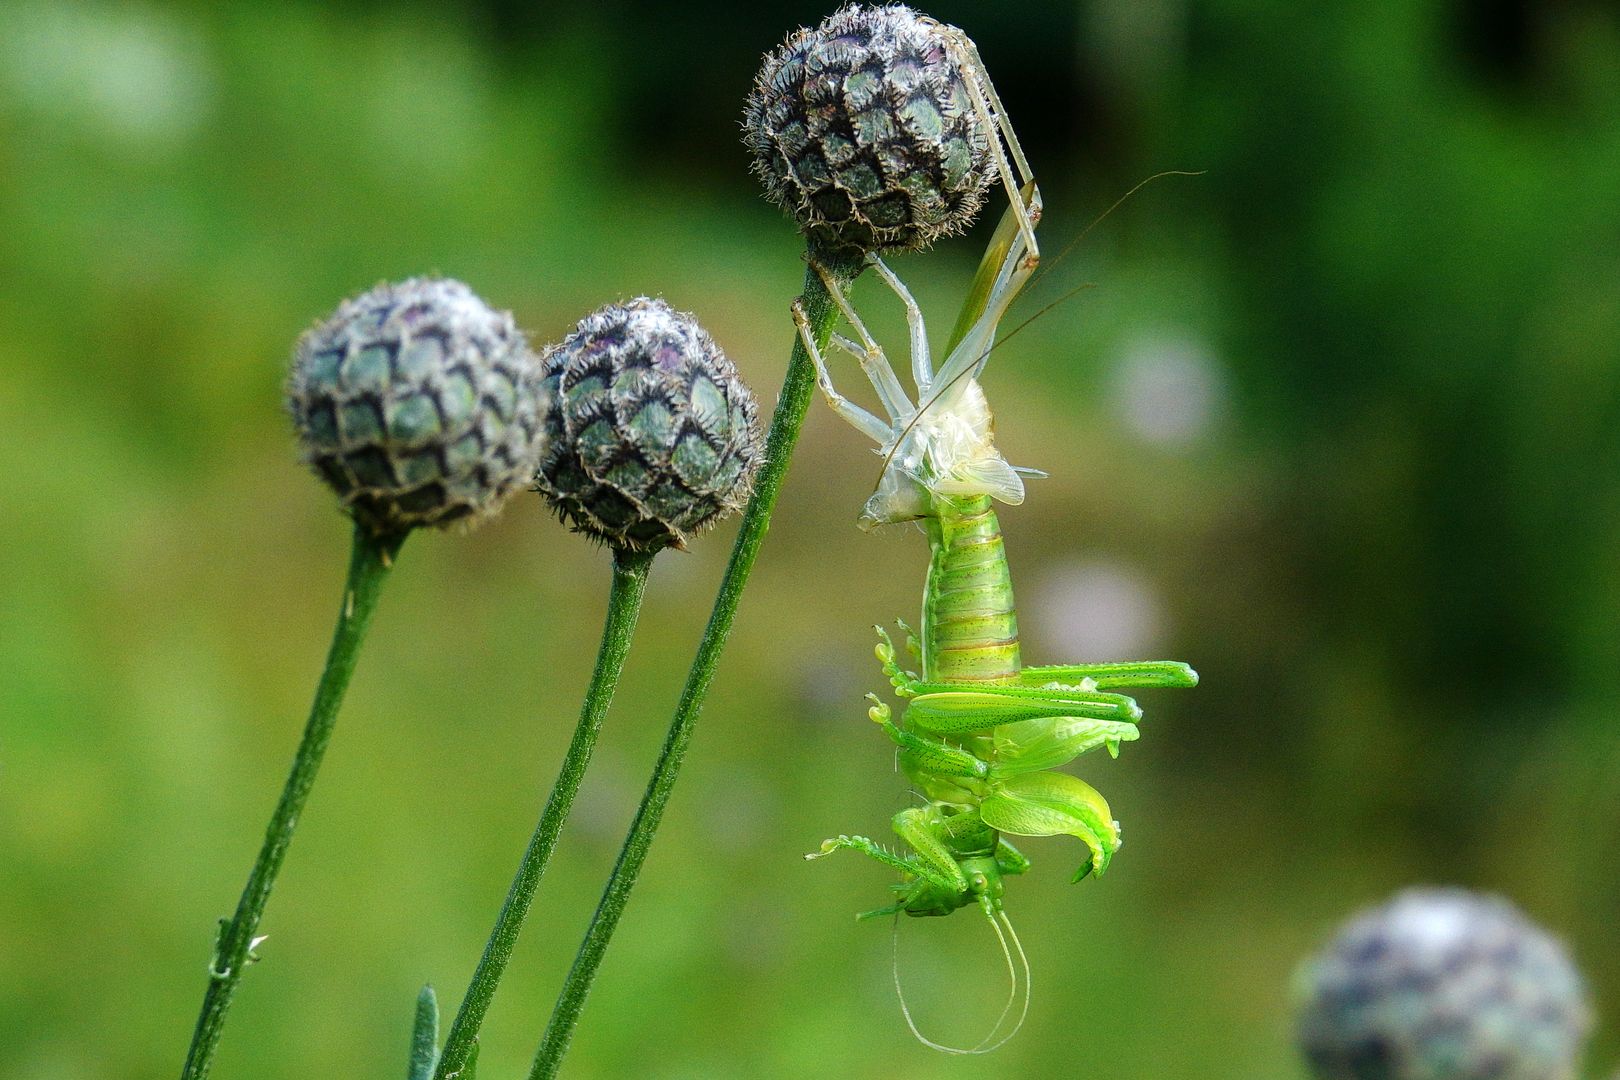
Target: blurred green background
(1338, 424)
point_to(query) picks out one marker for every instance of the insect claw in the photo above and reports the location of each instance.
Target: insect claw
(827, 279)
(913, 642)
(830, 846)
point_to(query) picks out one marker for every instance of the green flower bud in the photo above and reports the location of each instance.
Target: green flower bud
(865, 130)
(1443, 984)
(652, 435)
(418, 404)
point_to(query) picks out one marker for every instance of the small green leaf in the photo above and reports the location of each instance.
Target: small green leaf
(1054, 804)
(425, 1036)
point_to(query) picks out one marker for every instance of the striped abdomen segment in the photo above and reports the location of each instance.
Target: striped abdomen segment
(970, 629)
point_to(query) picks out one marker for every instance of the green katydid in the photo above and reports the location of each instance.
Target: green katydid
(981, 734)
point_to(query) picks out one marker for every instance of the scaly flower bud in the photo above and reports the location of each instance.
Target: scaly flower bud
(418, 404)
(877, 130)
(652, 434)
(1443, 984)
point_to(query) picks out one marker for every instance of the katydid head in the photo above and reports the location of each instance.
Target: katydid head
(984, 882)
(923, 898)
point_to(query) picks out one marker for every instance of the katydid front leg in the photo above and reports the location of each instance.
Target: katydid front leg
(928, 755)
(924, 877)
(921, 828)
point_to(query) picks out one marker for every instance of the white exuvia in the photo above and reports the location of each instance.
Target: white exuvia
(943, 443)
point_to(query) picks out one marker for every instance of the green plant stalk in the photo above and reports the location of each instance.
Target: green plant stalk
(630, 571)
(369, 563)
(797, 389)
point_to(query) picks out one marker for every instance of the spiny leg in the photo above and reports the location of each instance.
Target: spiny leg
(933, 755)
(919, 828)
(1015, 692)
(878, 371)
(1000, 704)
(922, 366)
(987, 104)
(995, 104)
(963, 711)
(1130, 673)
(869, 847)
(912, 865)
(853, 414)
(873, 360)
(1025, 225)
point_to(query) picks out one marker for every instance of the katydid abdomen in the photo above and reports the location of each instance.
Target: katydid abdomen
(969, 625)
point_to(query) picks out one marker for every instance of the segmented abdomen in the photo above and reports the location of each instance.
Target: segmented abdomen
(970, 628)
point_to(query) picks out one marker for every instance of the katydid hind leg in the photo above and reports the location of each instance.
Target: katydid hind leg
(1132, 674)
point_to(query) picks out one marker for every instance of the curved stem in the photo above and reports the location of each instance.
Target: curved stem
(369, 564)
(624, 605)
(797, 389)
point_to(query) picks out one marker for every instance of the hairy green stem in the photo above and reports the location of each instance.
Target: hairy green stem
(797, 389)
(369, 564)
(624, 605)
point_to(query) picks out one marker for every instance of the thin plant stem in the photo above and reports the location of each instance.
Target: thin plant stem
(369, 563)
(630, 571)
(797, 389)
